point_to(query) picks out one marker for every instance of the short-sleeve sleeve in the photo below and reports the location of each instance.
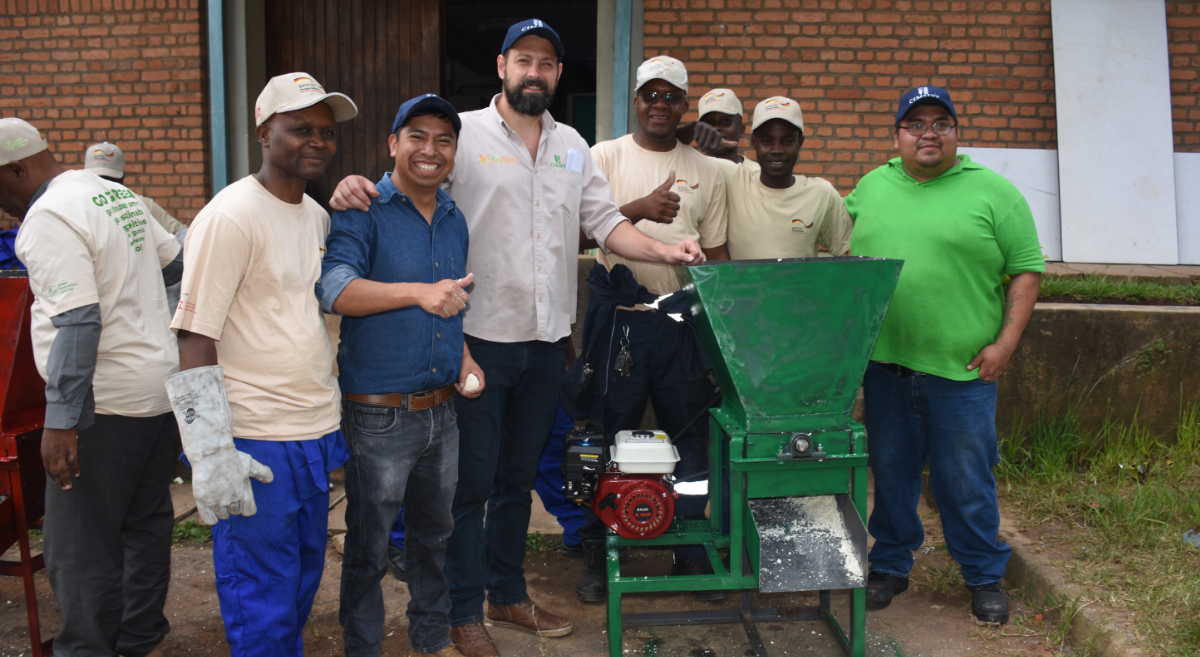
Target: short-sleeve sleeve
(714, 226)
(1016, 235)
(62, 274)
(836, 227)
(598, 212)
(215, 259)
(164, 243)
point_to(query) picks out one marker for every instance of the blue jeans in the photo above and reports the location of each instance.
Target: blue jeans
(952, 424)
(502, 434)
(389, 450)
(268, 565)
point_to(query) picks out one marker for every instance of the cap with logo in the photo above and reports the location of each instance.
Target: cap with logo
(295, 91)
(720, 100)
(778, 107)
(430, 101)
(19, 140)
(662, 68)
(928, 95)
(105, 160)
(532, 26)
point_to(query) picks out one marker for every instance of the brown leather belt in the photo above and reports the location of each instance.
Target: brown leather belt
(413, 401)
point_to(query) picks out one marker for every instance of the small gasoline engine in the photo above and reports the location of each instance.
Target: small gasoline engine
(632, 492)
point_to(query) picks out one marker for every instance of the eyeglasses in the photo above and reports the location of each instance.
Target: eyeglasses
(651, 97)
(918, 129)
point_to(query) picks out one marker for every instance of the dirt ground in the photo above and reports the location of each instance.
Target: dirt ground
(932, 619)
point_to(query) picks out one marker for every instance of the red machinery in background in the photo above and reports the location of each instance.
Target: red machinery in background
(22, 412)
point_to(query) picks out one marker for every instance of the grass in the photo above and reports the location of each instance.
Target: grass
(1110, 289)
(541, 543)
(1125, 497)
(191, 532)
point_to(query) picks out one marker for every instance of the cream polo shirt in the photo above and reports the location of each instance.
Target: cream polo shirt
(634, 172)
(88, 240)
(524, 219)
(782, 223)
(250, 267)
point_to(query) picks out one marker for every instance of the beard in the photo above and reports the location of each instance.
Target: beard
(529, 104)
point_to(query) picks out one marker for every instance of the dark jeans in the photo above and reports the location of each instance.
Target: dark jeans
(656, 342)
(392, 451)
(503, 433)
(952, 425)
(107, 541)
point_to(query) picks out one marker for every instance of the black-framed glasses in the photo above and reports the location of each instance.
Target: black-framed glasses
(940, 128)
(670, 98)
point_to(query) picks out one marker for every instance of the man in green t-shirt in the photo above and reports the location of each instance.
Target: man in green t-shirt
(930, 389)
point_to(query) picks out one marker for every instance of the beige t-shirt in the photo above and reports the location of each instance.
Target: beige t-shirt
(251, 262)
(88, 240)
(634, 172)
(782, 223)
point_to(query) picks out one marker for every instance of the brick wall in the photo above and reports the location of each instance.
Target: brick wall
(124, 71)
(848, 61)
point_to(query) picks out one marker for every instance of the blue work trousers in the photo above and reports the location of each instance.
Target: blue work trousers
(269, 565)
(952, 426)
(391, 452)
(501, 437)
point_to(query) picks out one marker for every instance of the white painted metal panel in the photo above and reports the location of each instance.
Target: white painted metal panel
(1115, 147)
(1035, 174)
(1187, 204)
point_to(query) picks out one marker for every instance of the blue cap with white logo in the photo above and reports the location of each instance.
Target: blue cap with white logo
(928, 95)
(431, 101)
(532, 26)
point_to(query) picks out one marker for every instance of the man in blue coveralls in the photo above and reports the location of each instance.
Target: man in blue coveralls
(396, 273)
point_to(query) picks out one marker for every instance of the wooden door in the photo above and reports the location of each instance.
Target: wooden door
(378, 52)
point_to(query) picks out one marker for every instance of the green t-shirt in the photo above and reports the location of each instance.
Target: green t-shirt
(958, 235)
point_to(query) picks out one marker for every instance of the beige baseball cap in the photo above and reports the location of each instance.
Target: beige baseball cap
(294, 91)
(778, 107)
(662, 68)
(720, 100)
(105, 159)
(19, 140)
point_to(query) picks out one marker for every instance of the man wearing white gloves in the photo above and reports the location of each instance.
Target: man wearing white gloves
(97, 268)
(257, 363)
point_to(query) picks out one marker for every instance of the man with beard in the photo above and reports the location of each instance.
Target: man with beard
(526, 186)
(774, 213)
(667, 363)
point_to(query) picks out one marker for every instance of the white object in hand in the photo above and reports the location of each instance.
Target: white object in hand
(472, 383)
(220, 473)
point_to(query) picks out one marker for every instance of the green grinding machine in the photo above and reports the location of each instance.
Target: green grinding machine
(789, 341)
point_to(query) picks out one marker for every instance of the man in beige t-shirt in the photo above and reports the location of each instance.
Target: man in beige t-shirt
(648, 171)
(97, 268)
(774, 213)
(256, 363)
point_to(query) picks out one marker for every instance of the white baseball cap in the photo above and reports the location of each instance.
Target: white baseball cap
(105, 159)
(778, 107)
(662, 68)
(19, 140)
(720, 100)
(294, 91)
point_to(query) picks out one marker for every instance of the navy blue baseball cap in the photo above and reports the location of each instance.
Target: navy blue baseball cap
(928, 95)
(430, 101)
(532, 26)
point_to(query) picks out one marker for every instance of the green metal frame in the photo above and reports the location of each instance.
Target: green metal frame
(844, 474)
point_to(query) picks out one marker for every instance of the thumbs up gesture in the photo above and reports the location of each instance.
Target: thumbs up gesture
(661, 205)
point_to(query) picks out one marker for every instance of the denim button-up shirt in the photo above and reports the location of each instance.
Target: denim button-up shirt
(407, 349)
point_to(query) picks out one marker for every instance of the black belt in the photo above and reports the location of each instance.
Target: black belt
(899, 370)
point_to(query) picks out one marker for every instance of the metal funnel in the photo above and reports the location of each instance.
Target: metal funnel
(789, 339)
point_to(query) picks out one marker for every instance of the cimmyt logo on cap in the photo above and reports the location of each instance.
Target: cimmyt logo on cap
(922, 92)
(14, 144)
(534, 23)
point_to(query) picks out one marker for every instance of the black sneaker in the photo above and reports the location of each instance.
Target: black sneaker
(592, 585)
(396, 563)
(697, 566)
(881, 587)
(571, 551)
(989, 604)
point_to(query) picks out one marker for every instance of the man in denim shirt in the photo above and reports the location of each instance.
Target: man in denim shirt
(396, 273)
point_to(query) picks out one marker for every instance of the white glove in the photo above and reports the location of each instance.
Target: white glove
(220, 473)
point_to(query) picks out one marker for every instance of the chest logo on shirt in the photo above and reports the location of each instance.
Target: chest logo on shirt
(798, 225)
(683, 187)
(496, 159)
(558, 163)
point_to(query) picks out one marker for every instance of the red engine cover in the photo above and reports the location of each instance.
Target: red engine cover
(635, 506)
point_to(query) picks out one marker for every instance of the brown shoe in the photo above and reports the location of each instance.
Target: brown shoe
(529, 617)
(473, 640)
(448, 651)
